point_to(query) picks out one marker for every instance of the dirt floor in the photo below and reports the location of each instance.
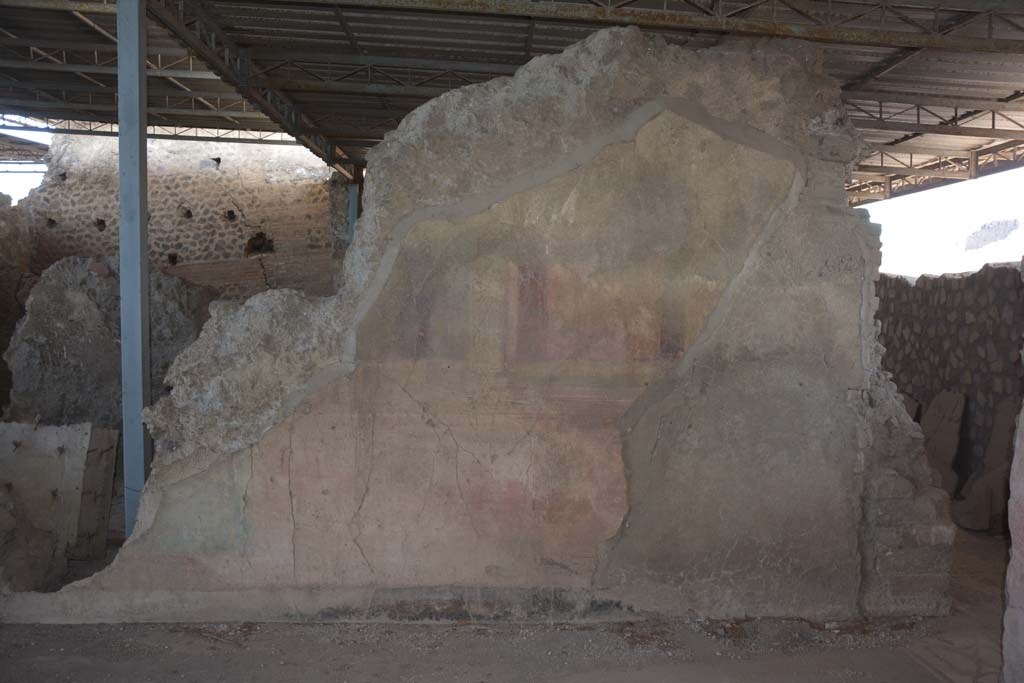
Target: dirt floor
(963, 647)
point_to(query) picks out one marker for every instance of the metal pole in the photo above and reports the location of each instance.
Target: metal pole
(131, 139)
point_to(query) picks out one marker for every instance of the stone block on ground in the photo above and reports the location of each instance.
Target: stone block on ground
(55, 485)
(1013, 623)
(982, 502)
(941, 427)
(912, 406)
(94, 511)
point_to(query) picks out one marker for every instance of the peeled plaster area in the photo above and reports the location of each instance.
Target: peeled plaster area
(570, 365)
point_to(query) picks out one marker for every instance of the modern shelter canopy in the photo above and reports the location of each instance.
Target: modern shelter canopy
(936, 87)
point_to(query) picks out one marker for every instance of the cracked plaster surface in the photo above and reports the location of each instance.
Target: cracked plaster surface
(621, 352)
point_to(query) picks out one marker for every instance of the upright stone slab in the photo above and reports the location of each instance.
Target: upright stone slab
(912, 406)
(941, 427)
(982, 503)
(44, 474)
(605, 334)
(94, 510)
(1013, 623)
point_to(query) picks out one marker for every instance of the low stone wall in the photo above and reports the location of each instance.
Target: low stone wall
(206, 202)
(959, 333)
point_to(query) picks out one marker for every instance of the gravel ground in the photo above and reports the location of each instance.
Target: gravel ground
(961, 647)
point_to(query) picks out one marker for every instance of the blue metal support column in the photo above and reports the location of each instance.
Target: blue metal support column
(134, 246)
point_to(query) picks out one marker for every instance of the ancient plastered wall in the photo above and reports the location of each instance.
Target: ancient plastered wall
(958, 333)
(570, 364)
(205, 201)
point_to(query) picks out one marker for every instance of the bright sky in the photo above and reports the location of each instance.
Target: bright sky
(925, 232)
(18, 184)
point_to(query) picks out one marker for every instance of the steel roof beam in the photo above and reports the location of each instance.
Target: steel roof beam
(150, 135)
(687, 21)
(644, 18)
(965, 103)
(904, 172)
(937, 129)
(81, 107)
(352, 88)
(904, 56)
(111, 90)
(921, 150)
(335, 59)
(201, 34)
(27, 65)
(63, 5)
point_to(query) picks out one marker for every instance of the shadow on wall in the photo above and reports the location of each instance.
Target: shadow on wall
(952, 344)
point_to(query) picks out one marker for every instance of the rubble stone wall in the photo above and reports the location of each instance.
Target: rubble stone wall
(206, 200)
(1013, 622)
(15, 279)
(569, 366)
(958, 333)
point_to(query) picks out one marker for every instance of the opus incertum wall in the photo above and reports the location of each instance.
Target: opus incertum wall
(959, 333)
(207, 203)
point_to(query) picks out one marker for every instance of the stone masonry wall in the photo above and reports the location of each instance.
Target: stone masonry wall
(960, 333)
(15, 280)
(206, 200)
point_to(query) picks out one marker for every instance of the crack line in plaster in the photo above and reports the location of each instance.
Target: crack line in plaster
(750, 137)
(431, 418)
(263, 271)
(291, 496)
(245, 509)
(362, 499)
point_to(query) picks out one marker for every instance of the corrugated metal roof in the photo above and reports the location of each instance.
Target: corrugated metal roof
(340, 75)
